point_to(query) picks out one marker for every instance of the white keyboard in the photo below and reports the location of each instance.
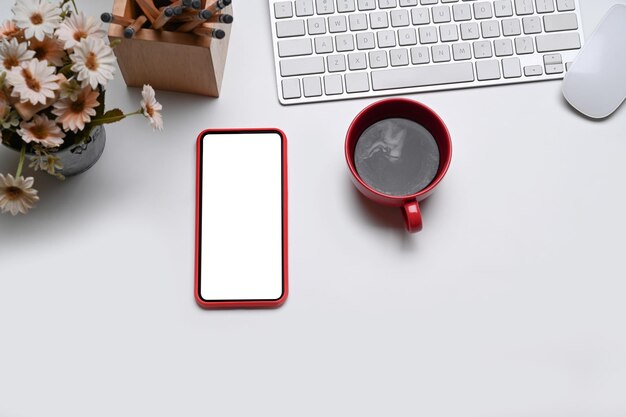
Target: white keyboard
(339, 49)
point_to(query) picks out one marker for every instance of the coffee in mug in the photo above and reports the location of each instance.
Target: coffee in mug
(397, 157)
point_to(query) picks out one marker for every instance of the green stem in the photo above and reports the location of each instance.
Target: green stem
(74, 4)
(21, 164)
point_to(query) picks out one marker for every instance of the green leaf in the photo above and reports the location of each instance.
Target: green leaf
(112, 116)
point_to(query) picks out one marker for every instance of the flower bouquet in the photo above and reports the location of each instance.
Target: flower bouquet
(55, 63)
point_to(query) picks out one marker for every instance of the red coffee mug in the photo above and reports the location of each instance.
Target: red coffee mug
(419, 113)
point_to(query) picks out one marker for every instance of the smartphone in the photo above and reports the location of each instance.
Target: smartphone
(241, 219)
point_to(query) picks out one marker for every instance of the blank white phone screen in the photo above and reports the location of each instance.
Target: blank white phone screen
(241, 231)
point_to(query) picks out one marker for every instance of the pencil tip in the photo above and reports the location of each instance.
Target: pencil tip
(205, 14)
(220, 34)
(106, 17)
(168, 12)
(228, 18)
(129, 32)
(196, 4)
(178, 11)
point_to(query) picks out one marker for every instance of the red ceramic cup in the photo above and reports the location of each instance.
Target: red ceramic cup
(405, 109)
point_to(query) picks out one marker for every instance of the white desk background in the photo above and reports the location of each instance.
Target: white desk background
(511, 302)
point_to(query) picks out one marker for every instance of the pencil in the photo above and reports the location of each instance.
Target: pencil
(135, 27)
(202, 15)
(199, 19)
(221, 18)
(206, 31)
(163, 18)
(115, 19)
(196, 4)
(149, 9)
(218, 5)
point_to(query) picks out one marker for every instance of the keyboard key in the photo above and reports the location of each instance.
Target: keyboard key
(448, 33)
(552, 59)
(379, 20)
(378, 59)
(408, 3)
(488, 70)
(511, 68)
(565, 5)
(387, 4)
(337, 24)
(428, 35)
(524, 45)
(531, 25)
(469, 31)
(441, 53)
(365, 41)
(482, 10)
(304, 7)
(461, 12)
(344, 43)
(325, 6)
(407, 37)
(323, 45)
(357, 82)
(503, 47)
(423, 76)
(386, 39)
(558, 42)
(560, 22)
(554, 69)
(490, 29)
(482, 49)
(524, 7)
(358, 21)
(533, 70)
(302, 66)
(399, 57)
(289, 28)
(441, 14)
(503, 8)
(544, 6)
(461, 51)
(420, 16)
(344, 6)
(399, 18)
(312, 86)
(336, 63)
(364, 5)
(333, 84)
(357, 61)
(283, 9)
(317, 25)
(427, 2)
(291, 88)
(295, 47)
(420, 55)
(511, 27)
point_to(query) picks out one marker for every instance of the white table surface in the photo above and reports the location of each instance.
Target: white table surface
(511, 302)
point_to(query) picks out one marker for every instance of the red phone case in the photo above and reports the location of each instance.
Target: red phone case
(242, 303)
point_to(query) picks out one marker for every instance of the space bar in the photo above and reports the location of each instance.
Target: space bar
(423, 76)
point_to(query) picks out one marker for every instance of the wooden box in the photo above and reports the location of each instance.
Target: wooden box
(172, 61)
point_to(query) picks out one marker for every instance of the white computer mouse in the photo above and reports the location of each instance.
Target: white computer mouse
(595, 84)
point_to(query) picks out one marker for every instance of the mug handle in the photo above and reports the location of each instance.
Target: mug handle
(412, 216)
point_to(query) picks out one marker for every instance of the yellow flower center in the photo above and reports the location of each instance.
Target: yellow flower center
(39, 131)
(10, 62)
(78, 106)
(91, 62)
(36, 19)
(31, 82)
(149, 110)
(13, 193)
(78, 35)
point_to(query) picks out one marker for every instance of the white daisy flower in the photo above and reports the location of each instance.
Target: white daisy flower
(50, 49)
(73, 115)
(8, 30)
(38, 18)
(13, 53)
(41, 130)
(152, 108)
(77, 27)
(93, 62)
(34, 81)
(17, 195)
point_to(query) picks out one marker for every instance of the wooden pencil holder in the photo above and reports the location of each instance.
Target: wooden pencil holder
(171, 61)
